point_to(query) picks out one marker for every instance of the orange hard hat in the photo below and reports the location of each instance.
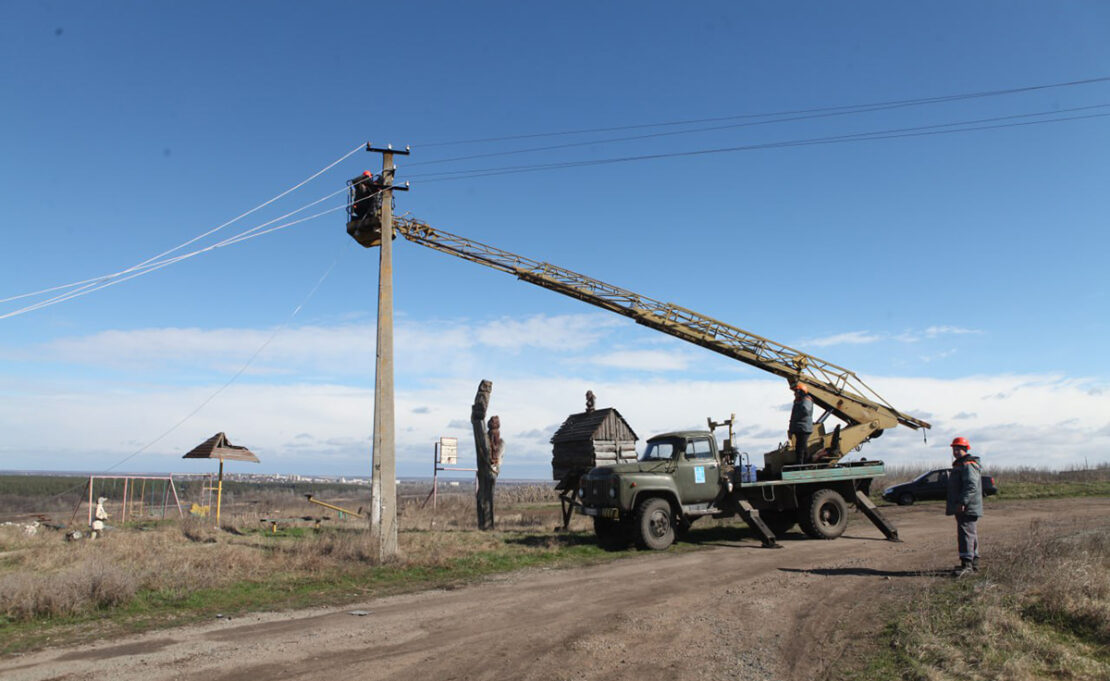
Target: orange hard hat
(801, 388)
(961, 442)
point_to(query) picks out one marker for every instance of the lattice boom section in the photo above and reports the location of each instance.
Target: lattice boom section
(671, 319)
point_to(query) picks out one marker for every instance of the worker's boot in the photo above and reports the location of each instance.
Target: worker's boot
(964, 568)
(975, 564)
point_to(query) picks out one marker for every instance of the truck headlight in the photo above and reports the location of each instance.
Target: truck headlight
(612, 492)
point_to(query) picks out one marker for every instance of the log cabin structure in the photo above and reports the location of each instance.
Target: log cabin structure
(592, 438)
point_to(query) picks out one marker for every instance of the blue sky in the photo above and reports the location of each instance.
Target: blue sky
(962, 274)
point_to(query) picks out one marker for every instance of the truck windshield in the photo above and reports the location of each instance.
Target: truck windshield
(659, 451)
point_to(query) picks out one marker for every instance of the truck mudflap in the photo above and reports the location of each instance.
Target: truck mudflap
(875, 516)
(751, 517)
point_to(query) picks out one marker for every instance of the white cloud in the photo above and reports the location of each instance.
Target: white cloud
(847, 338)
(1042, 421)
(944, 354)
(909, 336)
(563, 332)
(934, 331)
(313, 413)
(340, 350)
(644, 360)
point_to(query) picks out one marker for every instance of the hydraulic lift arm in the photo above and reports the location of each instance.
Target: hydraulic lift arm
(835, 388)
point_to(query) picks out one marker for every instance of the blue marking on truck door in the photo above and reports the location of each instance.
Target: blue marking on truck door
(699, 474)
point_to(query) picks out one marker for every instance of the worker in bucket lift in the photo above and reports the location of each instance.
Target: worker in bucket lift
(99, 516)
(801, 420)
(965, 501)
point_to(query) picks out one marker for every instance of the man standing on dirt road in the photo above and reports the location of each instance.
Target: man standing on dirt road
(965, 501)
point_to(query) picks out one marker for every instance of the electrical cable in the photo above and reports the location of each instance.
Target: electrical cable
(154, 263)
(916, 131)
(236, 375)
(196, 238)
(838, 111)
(225, 386)
(789, 112)
(154, 266)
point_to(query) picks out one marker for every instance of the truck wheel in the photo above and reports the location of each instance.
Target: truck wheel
(825, 515)
(779, 522)
(611, 534)
(905, 499)
(654, 524)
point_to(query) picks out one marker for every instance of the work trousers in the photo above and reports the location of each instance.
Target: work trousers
(800, 441)
(967, 536)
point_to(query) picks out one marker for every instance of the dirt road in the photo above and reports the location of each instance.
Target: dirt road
(732, 611)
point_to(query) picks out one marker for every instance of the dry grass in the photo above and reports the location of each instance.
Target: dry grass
(1041, 609)
(44, 576)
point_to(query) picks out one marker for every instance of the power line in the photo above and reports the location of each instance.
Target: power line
(789, 112)
(196, 238)
(152, 266)
(225, 386)
(786, 117)
(916, 131)
(236, 375)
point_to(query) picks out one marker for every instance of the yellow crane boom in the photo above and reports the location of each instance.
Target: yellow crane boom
(839, 390)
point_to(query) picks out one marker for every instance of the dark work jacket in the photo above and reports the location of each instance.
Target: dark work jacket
(801, 416)
(965, 487)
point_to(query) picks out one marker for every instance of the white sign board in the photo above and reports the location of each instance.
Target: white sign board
(448, 451)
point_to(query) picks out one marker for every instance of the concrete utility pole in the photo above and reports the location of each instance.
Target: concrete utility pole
(383, 483)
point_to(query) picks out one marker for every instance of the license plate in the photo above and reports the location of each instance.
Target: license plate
(590, 510)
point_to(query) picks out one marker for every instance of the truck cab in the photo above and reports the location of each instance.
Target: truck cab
(682, 467)
(696, 463)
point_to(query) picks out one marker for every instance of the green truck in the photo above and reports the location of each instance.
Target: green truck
(683, 476)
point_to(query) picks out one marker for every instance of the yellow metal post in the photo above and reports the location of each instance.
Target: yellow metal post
(219, 491)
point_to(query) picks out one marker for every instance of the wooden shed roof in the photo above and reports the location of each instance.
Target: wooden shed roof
(218, 447)
(585, 425)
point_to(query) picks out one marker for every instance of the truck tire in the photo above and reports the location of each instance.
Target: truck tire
(611, 534)
(825, 515)
(779, 522)
(654, 524)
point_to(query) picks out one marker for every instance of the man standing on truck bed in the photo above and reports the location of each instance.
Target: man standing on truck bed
(801, 420)
(965, 501)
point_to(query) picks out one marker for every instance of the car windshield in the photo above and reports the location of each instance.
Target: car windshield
(660, 450)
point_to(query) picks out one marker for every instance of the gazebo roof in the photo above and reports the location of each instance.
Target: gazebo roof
(218, 447)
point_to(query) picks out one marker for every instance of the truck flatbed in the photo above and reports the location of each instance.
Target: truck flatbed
(792, 475)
